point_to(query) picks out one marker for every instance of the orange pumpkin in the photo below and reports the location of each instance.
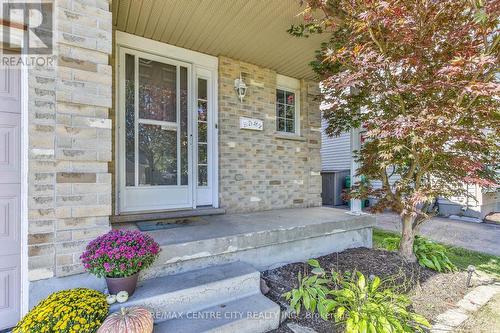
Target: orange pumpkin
(128, 320)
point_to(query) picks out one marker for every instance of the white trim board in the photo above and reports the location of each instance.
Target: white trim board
(287, 82)
(165, 50)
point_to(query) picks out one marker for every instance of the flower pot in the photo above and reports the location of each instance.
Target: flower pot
(115, 285)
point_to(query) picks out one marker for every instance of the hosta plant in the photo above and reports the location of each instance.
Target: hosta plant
(361, 305)
(78, 310)
(428, 253)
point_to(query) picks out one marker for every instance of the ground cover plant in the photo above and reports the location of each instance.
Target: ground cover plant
(420, 77)
(429, 254)
(430, 292)
(460, 257)
(361, 304)
(400, 275)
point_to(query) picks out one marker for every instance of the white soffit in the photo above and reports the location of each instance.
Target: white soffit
(249, 30)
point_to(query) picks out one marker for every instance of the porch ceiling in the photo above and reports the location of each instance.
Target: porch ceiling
(249, 30)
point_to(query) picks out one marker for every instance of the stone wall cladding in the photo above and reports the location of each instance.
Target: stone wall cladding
(260, 170)
(70, 140)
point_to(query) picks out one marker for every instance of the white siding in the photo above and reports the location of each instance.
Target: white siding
(336, 154)
(335, 151)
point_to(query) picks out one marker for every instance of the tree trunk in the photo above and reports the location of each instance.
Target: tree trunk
(407, 239)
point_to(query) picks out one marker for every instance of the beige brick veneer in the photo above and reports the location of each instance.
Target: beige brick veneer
(70, 140)
(260, 170)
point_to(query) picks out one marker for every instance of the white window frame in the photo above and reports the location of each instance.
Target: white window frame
(289, 84)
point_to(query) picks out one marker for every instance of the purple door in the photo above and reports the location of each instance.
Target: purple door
(10, 193)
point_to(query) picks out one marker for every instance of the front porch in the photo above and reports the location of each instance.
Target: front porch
(265, 239)
(262, 240)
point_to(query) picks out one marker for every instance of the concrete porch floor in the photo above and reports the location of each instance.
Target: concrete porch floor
(265, 239)
(320, 219)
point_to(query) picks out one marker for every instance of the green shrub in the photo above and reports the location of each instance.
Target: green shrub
(68, 311)
(428, 253)
(363, 306)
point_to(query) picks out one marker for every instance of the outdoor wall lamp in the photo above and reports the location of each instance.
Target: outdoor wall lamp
(240, 87)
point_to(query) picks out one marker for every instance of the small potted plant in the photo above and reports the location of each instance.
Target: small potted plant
(119, 256)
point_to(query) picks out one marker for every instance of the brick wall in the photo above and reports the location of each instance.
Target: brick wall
(70, 141)
(261, 170)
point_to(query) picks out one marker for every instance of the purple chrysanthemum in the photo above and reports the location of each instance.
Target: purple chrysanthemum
(120, 253)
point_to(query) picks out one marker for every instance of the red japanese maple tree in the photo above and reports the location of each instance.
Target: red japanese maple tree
(422, 77)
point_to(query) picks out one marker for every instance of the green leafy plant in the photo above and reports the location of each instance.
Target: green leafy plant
(362, 305)
(429, 254)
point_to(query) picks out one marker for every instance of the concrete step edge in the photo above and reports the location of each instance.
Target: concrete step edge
(139, 217)
(236, 238)
(197, 289)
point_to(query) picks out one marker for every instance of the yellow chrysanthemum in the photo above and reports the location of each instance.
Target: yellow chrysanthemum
(68, 311)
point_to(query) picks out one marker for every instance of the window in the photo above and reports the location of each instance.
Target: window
(287, 105)
(202, 132)
(285, 111)
(156, 119)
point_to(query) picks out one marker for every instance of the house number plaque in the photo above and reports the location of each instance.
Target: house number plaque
(251, 124)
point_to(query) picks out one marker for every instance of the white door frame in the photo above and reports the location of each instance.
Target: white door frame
(201, 63)
(207, 195)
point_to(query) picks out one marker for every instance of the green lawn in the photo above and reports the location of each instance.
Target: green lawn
(459, 256)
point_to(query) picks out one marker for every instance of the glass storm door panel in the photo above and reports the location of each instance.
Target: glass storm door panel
(155, 133)
(203, 121)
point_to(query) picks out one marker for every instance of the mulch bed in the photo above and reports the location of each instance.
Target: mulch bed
(438, 294)
(431, 292)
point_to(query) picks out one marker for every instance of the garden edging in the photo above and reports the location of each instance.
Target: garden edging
(472, 301)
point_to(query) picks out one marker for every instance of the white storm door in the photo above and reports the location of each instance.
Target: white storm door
(10, 201)
(155, 132)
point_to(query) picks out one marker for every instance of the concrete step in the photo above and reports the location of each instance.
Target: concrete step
(194, 290)
(251, 314)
